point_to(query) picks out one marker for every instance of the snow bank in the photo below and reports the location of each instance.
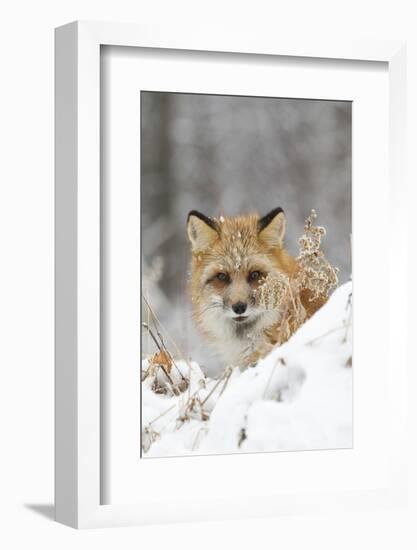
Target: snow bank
(298, 397)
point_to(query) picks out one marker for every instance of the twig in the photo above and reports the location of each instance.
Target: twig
(162, 347)
(161, 415)
(335, 329)
(280, 360)
(226, 382)
(169, 336)
(194, 445)
(349, 319)
(148, 328)
(174, 389)
(169, 354)
(165, 330)
(214, 387)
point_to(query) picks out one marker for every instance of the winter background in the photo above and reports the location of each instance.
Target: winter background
(227, 155)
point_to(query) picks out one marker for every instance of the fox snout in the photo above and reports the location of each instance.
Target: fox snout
(238, 297)
(239, 307)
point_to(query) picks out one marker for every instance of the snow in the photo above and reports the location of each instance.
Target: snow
(299, 397)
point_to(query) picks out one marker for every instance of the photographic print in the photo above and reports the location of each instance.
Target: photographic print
(246, 309)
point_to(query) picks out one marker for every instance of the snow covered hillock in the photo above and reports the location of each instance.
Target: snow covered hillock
(298, 397)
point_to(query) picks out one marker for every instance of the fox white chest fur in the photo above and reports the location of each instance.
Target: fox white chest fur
(238, 343)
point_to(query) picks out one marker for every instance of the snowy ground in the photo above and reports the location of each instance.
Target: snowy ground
(298, 397)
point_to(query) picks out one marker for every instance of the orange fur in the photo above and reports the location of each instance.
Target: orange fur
(238, 248)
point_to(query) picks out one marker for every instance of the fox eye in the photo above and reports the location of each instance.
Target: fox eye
(254, 275)
(223, 277)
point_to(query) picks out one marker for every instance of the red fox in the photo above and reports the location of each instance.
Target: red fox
(231, 260)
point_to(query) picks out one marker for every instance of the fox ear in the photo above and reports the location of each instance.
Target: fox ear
(271, 228)
(202, 231)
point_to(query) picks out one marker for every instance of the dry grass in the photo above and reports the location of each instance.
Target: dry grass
(316, 274)
(314, 281)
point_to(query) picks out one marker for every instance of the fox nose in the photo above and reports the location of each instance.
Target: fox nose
(239, 308)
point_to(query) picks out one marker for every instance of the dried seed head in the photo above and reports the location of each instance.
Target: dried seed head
(316, 274)
(281, 293)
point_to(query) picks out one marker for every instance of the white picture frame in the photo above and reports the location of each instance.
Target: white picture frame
(77, 424)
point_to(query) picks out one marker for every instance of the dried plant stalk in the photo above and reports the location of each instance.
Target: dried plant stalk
(316, 274)
(313, 282)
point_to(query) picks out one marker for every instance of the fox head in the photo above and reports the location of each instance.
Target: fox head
(231, 257)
